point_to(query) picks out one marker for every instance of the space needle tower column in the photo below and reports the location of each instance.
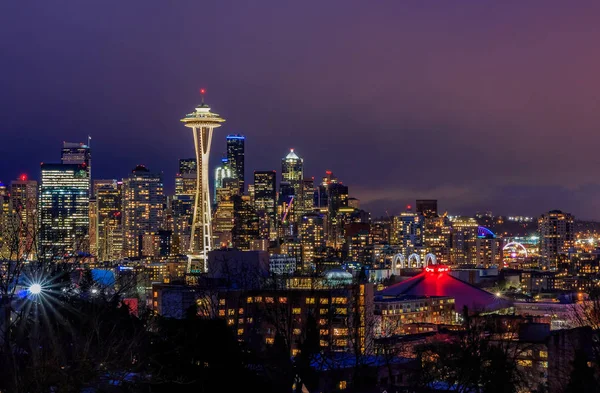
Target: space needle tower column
(202, 122)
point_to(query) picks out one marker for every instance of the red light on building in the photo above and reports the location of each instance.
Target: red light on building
(408, 207)
(437, 269)
(23, 177)
(202, 91)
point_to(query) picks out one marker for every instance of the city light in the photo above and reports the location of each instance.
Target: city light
(35, 289)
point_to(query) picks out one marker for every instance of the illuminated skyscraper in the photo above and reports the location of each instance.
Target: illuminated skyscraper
(292, 171)
(265, 192)
(109, 233)
(202, 122)
(557, 237)
(312, 236)
(143, 201)
(246, 225)
(222, 172)
(437, 238)
(235, 157)
(78, 153)
(407, 232)
(64, 210)
(23, 205)
(464, 241)
(185, 180)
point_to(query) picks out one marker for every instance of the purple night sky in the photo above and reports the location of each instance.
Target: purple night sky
(482, 105)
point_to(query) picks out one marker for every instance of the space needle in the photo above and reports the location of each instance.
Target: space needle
(202, 122)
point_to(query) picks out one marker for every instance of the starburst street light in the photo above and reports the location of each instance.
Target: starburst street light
(35, 289)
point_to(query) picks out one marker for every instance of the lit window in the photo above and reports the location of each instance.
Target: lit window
(342, 385)
(544, 364)
(324, 332)
(323, 301)
(297, 331)
(221, 302)
(339, 300)
(249, 300)
(310, 300)
(155, 293)
(322, 322)
(323, 343)
(230, 321)
(323, 311)
(524, 362)
(258, 299)
(241, 311)
(269, 340)
(221, 313)
(341, 342)
(341, 311)
(269, 300)
(295, 352)
(340, 332)
(230, 312)
(296, 310)
(240, 332)
(283, 300)
(543, 354)
(249, 320)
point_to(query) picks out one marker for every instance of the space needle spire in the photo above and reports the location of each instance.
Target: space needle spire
(202, 122)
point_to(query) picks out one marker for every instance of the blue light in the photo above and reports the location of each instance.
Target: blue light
(236, 137)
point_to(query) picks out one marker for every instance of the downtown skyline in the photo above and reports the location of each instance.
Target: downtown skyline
(483, 118)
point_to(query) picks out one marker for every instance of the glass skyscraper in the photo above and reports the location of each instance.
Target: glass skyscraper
(64, 210)
(235, 157)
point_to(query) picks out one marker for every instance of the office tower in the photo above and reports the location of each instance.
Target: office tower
(223, 220)
(292, 171)
(437, 237)
(557, 237)
(222, 172)
(286, 210)
(202, 122)
(464, 241)
(265, 202)
(93, 229)
(333, 196)
(143, 200)
(308, 195)
(235, 157)
(23, 207)
(354, 203)
(407, 233)
(311, 231)
(78, 153)
(64, 210)
(109, 232)
(265, 192)
(246, 225)
(427, 207)
(185, 179)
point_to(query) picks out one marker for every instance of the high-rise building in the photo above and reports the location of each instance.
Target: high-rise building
(143, 204)
(333, 196)
(78, 153)
(292, 171)
(185, 179)
(6, 234)
(437, 238)
(246, 224)
(308, 195)
(312, 236)
(224, 219)
(202, 122)
(286, 210)
(427, 207)
(222, 172)
(109, 232)
(265, 192)
(557, 237)
(407, 233)
(24, 209)
(464, 241)
(235, 157)
(64, 210)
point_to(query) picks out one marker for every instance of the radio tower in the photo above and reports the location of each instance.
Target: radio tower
(202, 122)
